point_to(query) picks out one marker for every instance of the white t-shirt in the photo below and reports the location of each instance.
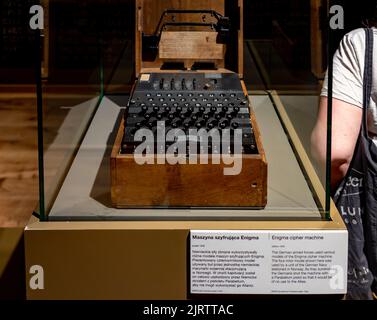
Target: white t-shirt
(348, 76)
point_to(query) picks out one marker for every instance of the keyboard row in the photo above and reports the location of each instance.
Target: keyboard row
(213, 98)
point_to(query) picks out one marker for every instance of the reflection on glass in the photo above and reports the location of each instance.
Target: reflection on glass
(89, 53)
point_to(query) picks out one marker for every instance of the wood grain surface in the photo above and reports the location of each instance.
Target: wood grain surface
(19, 148)
(18, 159)
(148, 14)
(195, 45)
(152, 10)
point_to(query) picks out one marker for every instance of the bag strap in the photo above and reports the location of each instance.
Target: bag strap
(368, 74)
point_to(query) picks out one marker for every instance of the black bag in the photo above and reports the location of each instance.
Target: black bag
(356, 200)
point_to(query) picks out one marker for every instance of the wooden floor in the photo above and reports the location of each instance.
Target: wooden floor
(18, 158)
(19, 148)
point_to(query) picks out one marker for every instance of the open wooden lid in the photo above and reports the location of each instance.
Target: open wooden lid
(195, 45)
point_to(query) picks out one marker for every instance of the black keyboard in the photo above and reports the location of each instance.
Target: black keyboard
(184, 102)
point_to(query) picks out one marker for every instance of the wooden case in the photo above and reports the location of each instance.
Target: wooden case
(200, 185)
(148, 14)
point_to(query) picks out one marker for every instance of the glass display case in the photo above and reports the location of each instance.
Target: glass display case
(92, 63)
(101, 59)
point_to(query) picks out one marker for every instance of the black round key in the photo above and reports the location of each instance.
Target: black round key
(213, 109)
(147, 116)
(225, 109)
(224, 124)
(220, 115)
(144, 109)
(159, 116)
(235, 125)
(156, 109)
(194, 117)
(212, 124)
(187, 124)
(190, 109)
(175, 124)
(199, 114)
(167, 109)
(178, 109)
(229, 116)
(171, 116)
(175, 105)
(199, 124)
(243, 102)
(206, 116)
(236, 109)
(202, 109)
(152, 122)
(139, 125)
(182, 116)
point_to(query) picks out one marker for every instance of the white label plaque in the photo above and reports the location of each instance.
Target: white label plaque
(268, 262)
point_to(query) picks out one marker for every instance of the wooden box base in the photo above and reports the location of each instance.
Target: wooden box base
(187, 185)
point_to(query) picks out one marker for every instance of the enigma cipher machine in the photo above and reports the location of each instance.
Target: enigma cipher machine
(189, 138)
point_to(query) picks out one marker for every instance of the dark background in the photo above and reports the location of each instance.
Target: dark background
(87, 34)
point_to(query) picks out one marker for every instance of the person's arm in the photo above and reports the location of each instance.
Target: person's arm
(346, 124)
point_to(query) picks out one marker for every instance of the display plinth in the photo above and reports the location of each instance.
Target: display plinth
(125, 260)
